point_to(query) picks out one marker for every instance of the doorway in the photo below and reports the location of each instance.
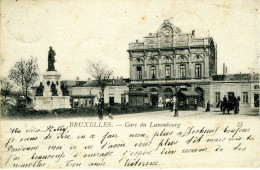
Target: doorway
(154, 97)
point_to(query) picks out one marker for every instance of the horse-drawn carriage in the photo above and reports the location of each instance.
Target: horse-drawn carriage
(228, 105)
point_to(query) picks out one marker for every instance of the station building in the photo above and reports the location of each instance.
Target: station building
(169, 61)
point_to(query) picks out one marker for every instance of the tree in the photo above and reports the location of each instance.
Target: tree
(101, 75)
(6, 87)
(25, 73)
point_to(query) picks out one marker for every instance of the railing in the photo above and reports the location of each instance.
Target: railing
(141, 45)
(171, 79)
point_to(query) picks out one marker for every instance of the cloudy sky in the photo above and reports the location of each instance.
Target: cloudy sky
(83, 30)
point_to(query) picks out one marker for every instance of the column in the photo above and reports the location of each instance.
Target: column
(131, 68)
(206, 65)
(175, 67)
(159, 67)
(145, 67)
(190, 66)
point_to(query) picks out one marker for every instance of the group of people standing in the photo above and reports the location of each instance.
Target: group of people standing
(101, 110)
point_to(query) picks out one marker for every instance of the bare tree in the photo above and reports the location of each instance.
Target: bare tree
(25, 73)
(6, 87)
(101, 75)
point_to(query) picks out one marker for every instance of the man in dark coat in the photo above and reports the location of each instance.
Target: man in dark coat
(208, 107)
(225, 99)
(109, 111)
(171, 105)
(100, 110)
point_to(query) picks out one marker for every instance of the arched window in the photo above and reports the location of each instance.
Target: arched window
(139, 72)
(153, 72)
(198, 70)
(182, 70)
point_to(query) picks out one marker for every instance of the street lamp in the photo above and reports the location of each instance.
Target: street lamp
(175, 102)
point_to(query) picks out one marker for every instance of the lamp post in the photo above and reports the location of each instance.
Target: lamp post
(175, 103)
(175, 100)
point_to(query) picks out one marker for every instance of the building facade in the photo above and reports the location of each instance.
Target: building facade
(87, 95)
(245, 86)
(169, 61)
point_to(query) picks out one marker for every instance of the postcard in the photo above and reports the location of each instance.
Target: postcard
(129, 84)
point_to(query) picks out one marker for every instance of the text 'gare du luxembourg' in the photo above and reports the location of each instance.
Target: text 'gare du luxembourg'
(170, 63)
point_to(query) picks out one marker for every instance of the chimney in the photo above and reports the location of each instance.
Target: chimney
(89, 79)
(136, 41)
(77, 78)
(166, 21)
(193, 33)
(224, 69)
(150, 34)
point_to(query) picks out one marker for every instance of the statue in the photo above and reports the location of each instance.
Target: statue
(54, 90)
(39, 90)
(51, 60)
(64, 89)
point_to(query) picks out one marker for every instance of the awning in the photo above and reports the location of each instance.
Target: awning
(189, 93)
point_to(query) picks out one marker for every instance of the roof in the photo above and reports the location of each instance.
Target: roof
(83, 96)
(112, 82)
(236, 77)
(189, 93)
(72, 83)
(173, 37)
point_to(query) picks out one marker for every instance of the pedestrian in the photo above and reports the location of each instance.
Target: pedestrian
(237, 105)
(171, 105)
(225, 99)
(109, 111)
(208, 107)
(100, 110)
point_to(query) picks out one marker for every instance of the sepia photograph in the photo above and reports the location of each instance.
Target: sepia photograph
(129, 84)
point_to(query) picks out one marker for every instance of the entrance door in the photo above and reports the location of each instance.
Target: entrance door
(154, 97)
(256, 100)
(111, 99)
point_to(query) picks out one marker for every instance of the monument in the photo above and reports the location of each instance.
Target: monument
(49, 95)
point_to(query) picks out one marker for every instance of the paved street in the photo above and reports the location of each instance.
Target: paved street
(167, 115)
(200, 113)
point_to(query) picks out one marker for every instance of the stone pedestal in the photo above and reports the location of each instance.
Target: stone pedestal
(48, 101)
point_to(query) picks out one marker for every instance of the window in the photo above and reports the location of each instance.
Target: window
(217, 96)
(139, 72)
(183, 71)
(198, 70)
(123, 98)
(153, 71)
(111, 99)
(167, 71)
(256, 87)
(245, 97)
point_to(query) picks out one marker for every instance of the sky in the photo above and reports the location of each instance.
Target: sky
(84, 30)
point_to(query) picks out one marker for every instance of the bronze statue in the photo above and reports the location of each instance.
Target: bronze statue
(64, 89)
(39, 90)
(54, 90)
(51, 60)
